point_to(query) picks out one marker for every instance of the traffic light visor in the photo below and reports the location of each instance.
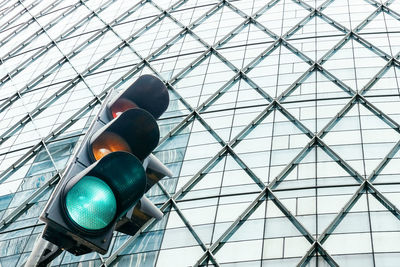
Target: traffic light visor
(109, 142)
(134, 131)
(121, 105)
(147, 92)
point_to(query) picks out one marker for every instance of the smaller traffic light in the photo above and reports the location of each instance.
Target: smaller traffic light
(103, 188)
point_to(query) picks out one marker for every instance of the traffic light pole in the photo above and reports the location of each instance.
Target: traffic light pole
(43, 253)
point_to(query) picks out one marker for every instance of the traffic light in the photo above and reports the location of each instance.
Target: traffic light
(103, 188)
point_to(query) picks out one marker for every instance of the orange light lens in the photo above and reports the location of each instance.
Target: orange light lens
(108, 142)
(120, 106)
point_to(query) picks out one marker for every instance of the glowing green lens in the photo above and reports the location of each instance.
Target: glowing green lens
(91, 203)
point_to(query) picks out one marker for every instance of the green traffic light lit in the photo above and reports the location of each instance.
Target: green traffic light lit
(91, 203)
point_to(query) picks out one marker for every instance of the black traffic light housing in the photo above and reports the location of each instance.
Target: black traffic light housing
(103, 188)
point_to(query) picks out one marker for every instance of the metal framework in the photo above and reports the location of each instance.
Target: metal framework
(268, 191)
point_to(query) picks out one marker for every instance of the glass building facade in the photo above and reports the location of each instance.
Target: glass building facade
(283, 130)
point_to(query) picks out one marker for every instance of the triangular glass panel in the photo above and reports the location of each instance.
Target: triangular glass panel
(187, 152)
(225, 18)
(131, 25)
(95, 54)
(237, 49)
(62, 73)
(203, 80)
(168, 124)
(361, 139)
(226, 177)
(211, 263)
(314, 3)
(316, 101)
(268, 233)
(307, 38)
(271, 145)
(180, 257)
(201, 215)
(176, 233)
(178, 242)
(80, 35)
(350, 242)
(241, 251)
(189, 11)
(390, 172)
(164, 4)
(319, 174)
(25, 74)
(199, 205)
(282, 16)
(248, 97)
(336, 10)
(225, 182)
(249, 7)
(387, 84)
(315, 169)
(229, 208)
(156, 194)
(146, 43)
(385, 229)
(14, 59)
(318, 260)
(395, 6)
(354, 64)
(276, 72)
(249, 229)
(281, 238)
(227, 111)
(378, 137)
(80, 125)
(179, 55)
(113, 11)
(63, 107)
(11, 88)
(236, 180)
(21, 138)
(142, 250)
(382, 29)
(41, 40)
(117, 66)
(176, 110)
(390, 192)
(313, 208)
